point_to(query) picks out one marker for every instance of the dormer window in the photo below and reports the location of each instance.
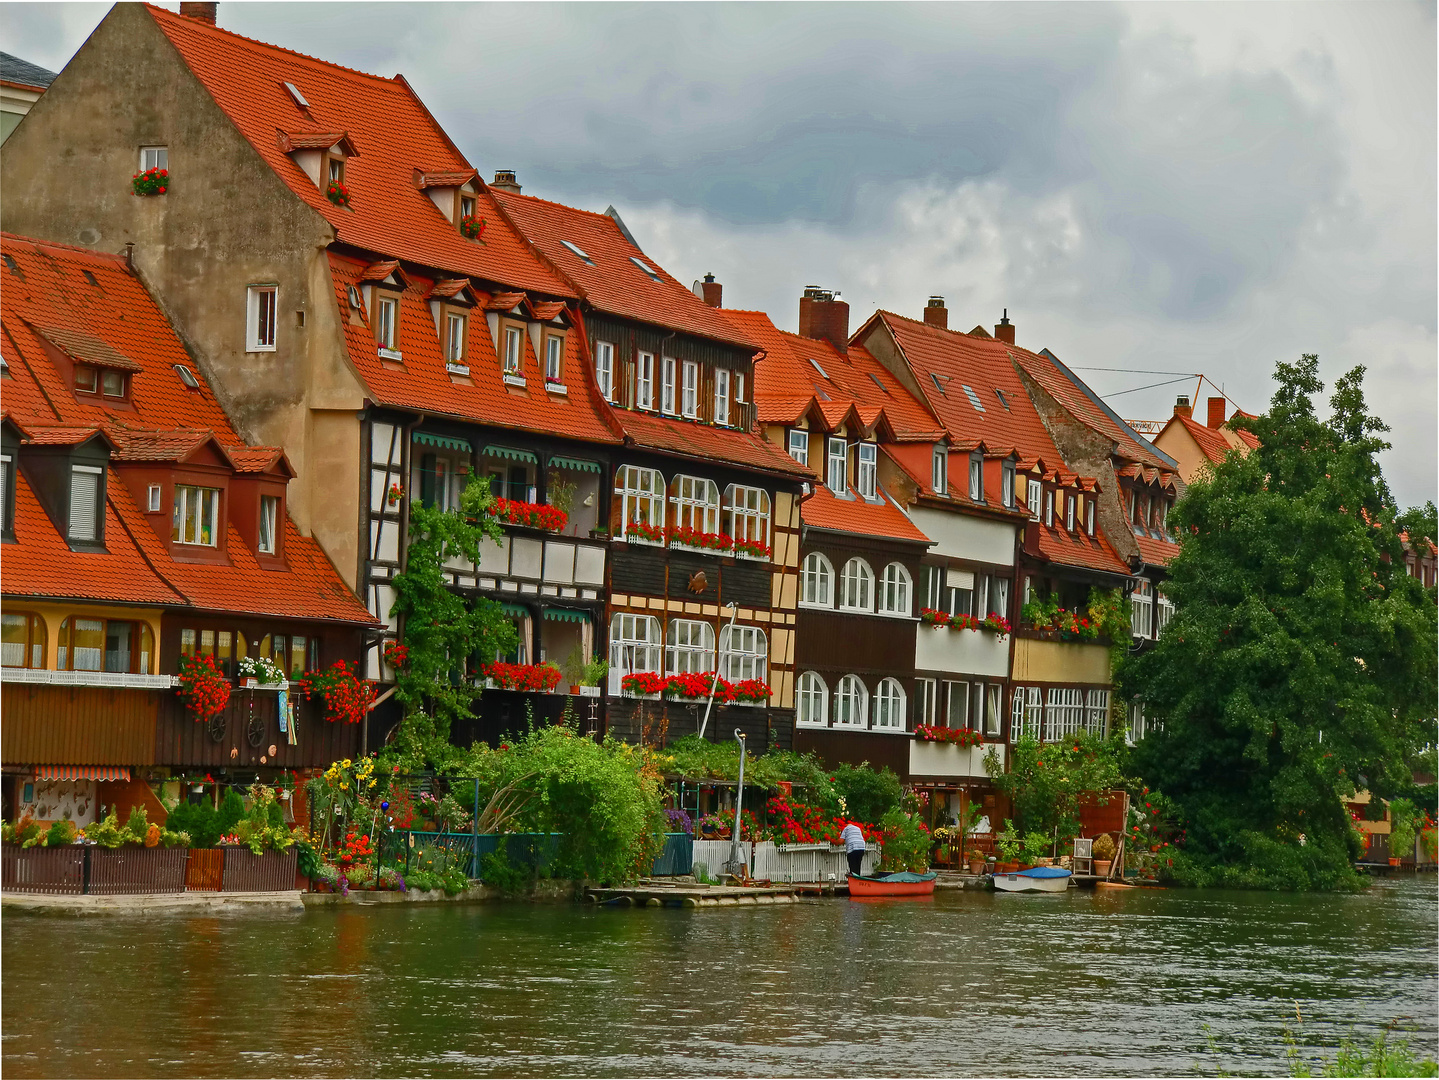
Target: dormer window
(799, 445)
(467, 206)
(86, 486)
(1049, 509)
(1069, 514)
(939, 478)
(1089, 517)
(554, 358)
(1034, 492)
(976, 477)
(387, 324)
(514, 354)
(197, 516)
(269, 524)
(454, 339)
(836, 461)
(1006, 483)
(866, 480)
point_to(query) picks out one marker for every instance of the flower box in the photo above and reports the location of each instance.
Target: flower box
(458, 369)
(556, 387)
(472, 226)
(514, 380)
(337, 193)
(150, 182)
(532, 678)
(530, 515)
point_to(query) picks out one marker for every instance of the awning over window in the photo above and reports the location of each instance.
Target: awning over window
(574, 464)
(442, 442)
(515, 609)
(560, 614)
(509, 453)
(81, 772)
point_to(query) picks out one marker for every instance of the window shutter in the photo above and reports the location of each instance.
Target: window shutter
(84, 503)
(427, 479)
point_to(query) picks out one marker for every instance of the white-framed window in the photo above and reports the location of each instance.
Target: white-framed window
(934, 587)
(634, 647)
(667, 385)
(153, 493)
(1027, 713)
(980, 606)
(1063, 713)
(697, 504)
(554, 358)
(197, 516)
(85, 484)
(454, 338)
(993, 709)
(744, 653)
(998, 599)
(690, 389)
(1069, 513)
(269, 523)
(894, 589)
(889, 704)
(387, 321)
(1006, 491)
(260, 304)
(1162, 516)
(816, 581)
(976, 478)
(866, 477)
(956, 714)
(1033, 493)
(645, 381)
(721, 405)
(689, 647)
(1097, 710)
(642, 496)
(939, 470)
(1049, 509)
(1089, 517)
(835, 460)
(961, 585)
(514, 355)
(605, 369)
(976, 706)
(856, 586)
(1142, 608)
(747, 513)
(1163, 612)
(851, 703)
(926, 701)
(1136, 728)
(799, 445)
(154, 157)
(811, 700)
(739, 387)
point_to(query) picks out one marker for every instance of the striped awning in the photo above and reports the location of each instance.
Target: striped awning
(81, 772)
(509, 453)
(560, 614)
(442, 442)
(574, 464)
(516, 609)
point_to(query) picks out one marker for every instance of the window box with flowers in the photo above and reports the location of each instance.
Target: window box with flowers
(995, 624)
(472, 226)
(347, 697)
(686, 538)
(554, 386)
(694, 686)
(642, 532)
(530, 515)
(531, 678)
(337, 193)
(395, 494)
(753, 550)
(261, 673)
(150, 182)
(204, 690)
(754, 693)
(643, 684)
(961, 737)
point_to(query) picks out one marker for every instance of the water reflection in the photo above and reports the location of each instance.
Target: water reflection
(1114, 982)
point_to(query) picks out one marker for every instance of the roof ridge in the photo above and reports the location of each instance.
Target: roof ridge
(502, 194)
(101, 255)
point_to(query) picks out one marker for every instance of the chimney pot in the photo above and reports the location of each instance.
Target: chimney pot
(505, 181)
(936, 314)
(712, 291)
(824, 318)
(1181, 406)
(1216, 413)
(1004, 329)
(192, 9)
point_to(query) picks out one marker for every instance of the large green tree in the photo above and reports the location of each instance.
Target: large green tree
(1300, 662)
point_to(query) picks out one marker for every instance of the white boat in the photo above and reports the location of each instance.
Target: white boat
(1035, 879)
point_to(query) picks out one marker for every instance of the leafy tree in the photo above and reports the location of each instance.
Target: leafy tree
(442, 629)
(1420, 522)
(1044, 781)
(1300, 662)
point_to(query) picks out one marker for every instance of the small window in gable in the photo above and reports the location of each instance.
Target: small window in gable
(605, 369)
(976, 478)
(513, 357)
(867, 473)
(1007, 483)
(554, 359)
(836, 465)
(154, 157)
(260, 306)
(467, 206)
(1069, 514)
(87, 379)
(939, 478)
(86, 488)
(269, 523)
(335, 169)
(1089, 517)
(153, 496)
(387, 326)
(455, 324)
(114, 384)
(799, 445)
(721, 403)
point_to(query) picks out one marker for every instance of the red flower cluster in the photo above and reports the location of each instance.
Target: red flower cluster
(1070, 626)
(796, 823)
(150, 182)
(203, 689)
(395, 494)
(531, 515)
(756, 690)
(644, 682)
(347, 696)
(957, 736)
(694, 685)
(472, 226)
(356, 848)
(997, 624)
(533, 677)
(397, 655)
(752, 547)
(338, 193)
(645, 531)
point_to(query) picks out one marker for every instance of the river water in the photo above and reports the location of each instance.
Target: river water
(1115, 982)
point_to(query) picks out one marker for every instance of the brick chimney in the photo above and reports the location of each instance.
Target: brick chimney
(204, 12)
(505, 181)
(711, 291)
(1004, 329)
(1181, 406)
(1216, 413)
(823, 317)
(936, 314)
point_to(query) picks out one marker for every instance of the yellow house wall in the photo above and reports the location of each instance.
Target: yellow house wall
(1060, 662)
(55, 614)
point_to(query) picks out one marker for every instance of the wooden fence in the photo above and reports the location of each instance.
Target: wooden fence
(270, 871)
(127, 871)
(96, 871)
(57, 871)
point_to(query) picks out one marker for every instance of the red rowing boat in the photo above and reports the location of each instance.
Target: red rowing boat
(902, 884)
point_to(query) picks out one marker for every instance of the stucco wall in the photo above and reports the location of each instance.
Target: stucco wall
(964, 536)
(1060, 662)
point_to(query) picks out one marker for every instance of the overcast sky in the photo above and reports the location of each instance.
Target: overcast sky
(1200, 188)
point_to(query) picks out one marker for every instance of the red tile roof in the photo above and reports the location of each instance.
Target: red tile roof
(1156, 552)
(615, 283)
(821, 510)
(722, 445)
(1211, 443)
(1077, 549)
(393, 134)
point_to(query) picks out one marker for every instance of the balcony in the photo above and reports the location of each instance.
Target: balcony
(528, 562)
(1041, 658)
(948, 761)
(969, 652)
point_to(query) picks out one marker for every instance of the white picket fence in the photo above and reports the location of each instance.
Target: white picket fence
(713, 854)
(784, 862)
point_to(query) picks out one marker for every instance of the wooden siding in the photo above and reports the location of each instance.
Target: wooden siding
(867, 645)
(78, 725)
(854, 748)
(764, 729)
(180, 741)
(653, 571)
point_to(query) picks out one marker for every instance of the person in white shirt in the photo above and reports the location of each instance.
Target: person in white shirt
(853, 839)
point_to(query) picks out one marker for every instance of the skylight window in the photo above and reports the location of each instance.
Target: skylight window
(877, 383)
(295, 93)
(90, 278)
(1002, 399)
(973, 398)
(654, 276)
(575, 249)
(937, 384)
(11, 264)
(187, 376)
(821, 370)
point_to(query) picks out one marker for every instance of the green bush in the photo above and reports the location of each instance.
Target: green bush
(498, 872)
(867, 795)
(137, 823)
(906, 842)
(199, 820)
(232, 811)
(60, 834)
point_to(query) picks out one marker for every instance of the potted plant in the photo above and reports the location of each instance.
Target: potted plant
(1008, 846)
(1401, 831)
(1103, 851)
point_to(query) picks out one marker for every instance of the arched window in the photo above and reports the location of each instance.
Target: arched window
(642, 497)
(817, 581)
(813, 701)
(856, 586)
(889, 706)
(106, 645)
(894, 588)
(744, 653)
(851, 703)
(697, 504)
(634, 647)
(689, 647)
(747, 514)
(23, 640)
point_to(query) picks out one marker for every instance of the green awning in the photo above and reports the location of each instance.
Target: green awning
(516, 609)
(442, 442)
(511, 454)
(560, 614)
(574, 464)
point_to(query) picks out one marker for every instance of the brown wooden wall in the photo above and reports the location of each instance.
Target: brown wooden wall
(863, 644)
(854, 748)
(180, 741)
(764, 729)
(661, 572)
(78, 725)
